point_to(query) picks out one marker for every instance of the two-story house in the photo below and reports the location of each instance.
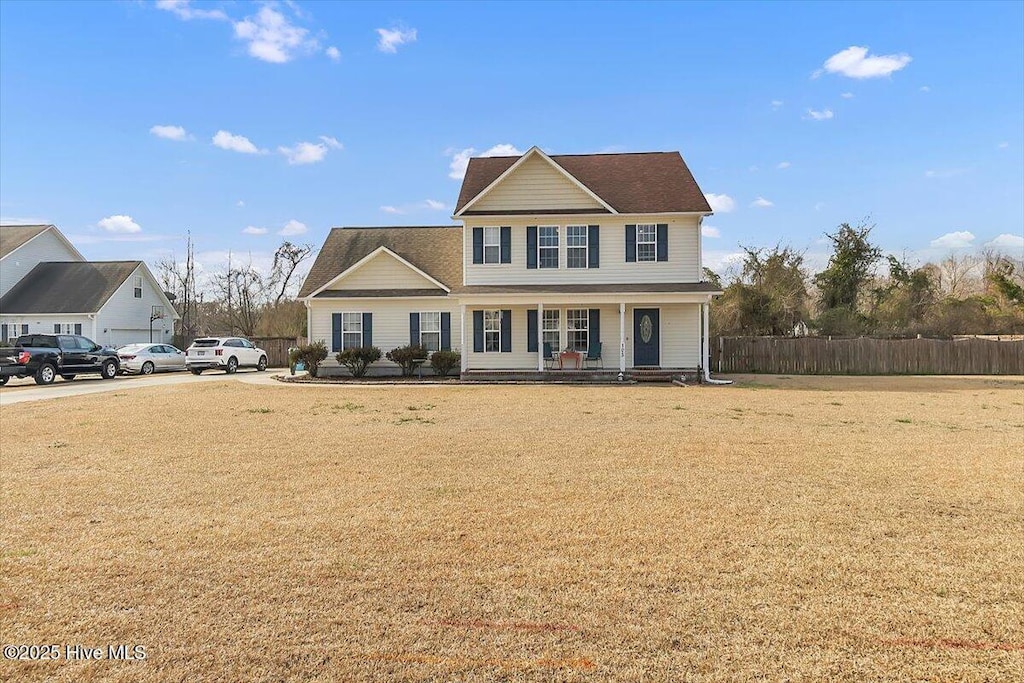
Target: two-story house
(597, 253)
(47, 286)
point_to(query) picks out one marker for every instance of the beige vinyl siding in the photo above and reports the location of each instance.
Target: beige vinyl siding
(383, 271)
(680, 334)
(45, 246)
(536, 185)
(390, 322)
(683, 264)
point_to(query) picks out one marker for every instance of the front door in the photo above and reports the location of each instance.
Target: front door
(646, 337)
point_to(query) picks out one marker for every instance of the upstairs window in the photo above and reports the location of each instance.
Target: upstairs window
(576, 246)
(430, 331)
(492, 331)
(547, 246)
(351, 330)
(578, 325)
(492, 244)
(646, 242)
(138, 287)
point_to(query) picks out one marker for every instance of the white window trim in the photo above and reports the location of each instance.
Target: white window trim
(557, 347)
(437, 332)
(499, 330)
(137, 287)
(557, 247)
(497, 245)
(361, 330)
(586, 328)
(654, 243)
(585, 248)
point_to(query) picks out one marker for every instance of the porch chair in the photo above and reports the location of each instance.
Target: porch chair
(550, 358)
(594, 355)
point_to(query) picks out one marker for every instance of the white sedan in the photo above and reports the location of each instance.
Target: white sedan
(145, 359)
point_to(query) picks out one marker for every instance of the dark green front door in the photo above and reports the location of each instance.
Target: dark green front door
(646, 337)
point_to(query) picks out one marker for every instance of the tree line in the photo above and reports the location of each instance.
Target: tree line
(865, 292)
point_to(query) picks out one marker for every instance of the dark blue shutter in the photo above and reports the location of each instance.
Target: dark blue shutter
(336, 330)
(531, 330)
(24, 329)
(446, 331)
(478, 245)
(506, 331)
(78, 328)
(593, 246)
(367, 329)
(595, 325)
(531, 246)
(478, 331)
(414, 329)
(56, 328)
(662, 237)
(506, 244)
(630, 243)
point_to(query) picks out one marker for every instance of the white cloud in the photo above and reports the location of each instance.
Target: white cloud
(945, 172)
(273, 38)
(235, 143)
(762, 203)
(183, 10)
(720, 203)
(253, 230)
(960, 239)
(460, 158)
(925, 88)
(710, 231)
(170, 133)
(1003, 145)
(391, 39)
(333, 53)
(120, 224)
(291, 228)
(783, 165)
(777, 104)
(435, 205)
(823, 115)
(309, 152)
(1007, 241)
(819, 206)
(854, 62)
(847, 95)
(754, 169)
(239, 203)
(392, 209)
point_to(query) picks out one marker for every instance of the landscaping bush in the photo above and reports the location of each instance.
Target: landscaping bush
(310, 355)
(358, 359)
(445, 361)
(407, 358)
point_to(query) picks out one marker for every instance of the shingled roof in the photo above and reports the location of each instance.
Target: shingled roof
(67, 287)
(436, 250)
(644, 182)
(13, 236)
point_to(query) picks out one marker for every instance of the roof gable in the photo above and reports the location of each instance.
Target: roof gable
(67, 287)
(535, 182)
(13, 237)
(646, 182)
(382, 269)
(433, 251)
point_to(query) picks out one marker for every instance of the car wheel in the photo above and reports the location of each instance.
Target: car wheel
(45, 374)
(108, 370)
(147, 368)
(232, 365)
(262, 365)
(3, 380)
(197, 371)
(68, 378)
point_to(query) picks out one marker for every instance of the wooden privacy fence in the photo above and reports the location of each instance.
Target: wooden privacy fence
(867, 356)
(276, 348)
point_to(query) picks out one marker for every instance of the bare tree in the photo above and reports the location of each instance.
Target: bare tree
(179, 279)
(287, 260)
(243, 290)
(959, 275)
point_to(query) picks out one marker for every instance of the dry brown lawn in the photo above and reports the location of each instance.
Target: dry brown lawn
(799, 529)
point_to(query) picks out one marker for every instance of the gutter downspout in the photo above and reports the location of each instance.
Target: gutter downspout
(309, 322)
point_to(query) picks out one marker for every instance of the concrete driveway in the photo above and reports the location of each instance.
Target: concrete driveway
(21, 390)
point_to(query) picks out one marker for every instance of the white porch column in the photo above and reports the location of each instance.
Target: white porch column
(540, 337)
(706, 358)
(622, 337)
(463, 351)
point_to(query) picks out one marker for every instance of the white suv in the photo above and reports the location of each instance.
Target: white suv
(224, 353)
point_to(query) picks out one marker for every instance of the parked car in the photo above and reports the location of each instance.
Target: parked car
(45, 356)
(145, 359)
(12, 361)
(224, 353)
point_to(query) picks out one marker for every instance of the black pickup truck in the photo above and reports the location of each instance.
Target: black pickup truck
(45, 356)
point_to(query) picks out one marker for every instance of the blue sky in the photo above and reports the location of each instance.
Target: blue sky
(126, 123)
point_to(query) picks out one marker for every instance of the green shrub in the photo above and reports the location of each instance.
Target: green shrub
(407, 358)
(358, 359)
(445, 361)
(310, 355)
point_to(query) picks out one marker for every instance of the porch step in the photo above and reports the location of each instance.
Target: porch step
(663, 374)
(548, 376)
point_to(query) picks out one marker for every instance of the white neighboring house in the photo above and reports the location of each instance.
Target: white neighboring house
(47, 287)
(597, 254)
